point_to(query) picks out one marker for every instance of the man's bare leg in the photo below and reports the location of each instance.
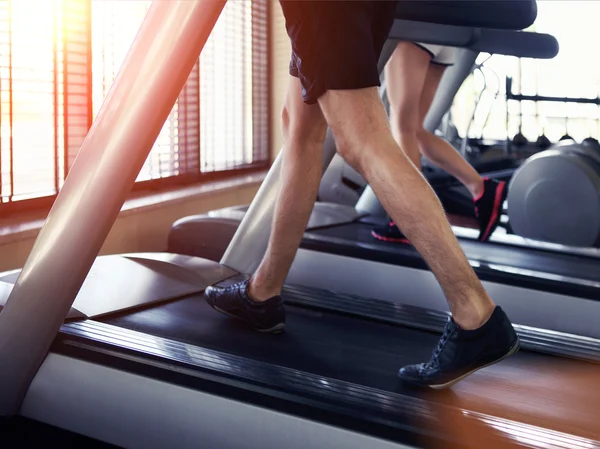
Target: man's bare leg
(257, 300)
(304, 130)
(359, 123)
(327, 59)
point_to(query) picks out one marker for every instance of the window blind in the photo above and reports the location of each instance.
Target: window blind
(59, 60)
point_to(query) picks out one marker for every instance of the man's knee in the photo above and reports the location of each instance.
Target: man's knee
(353, 143)
(303, 128)
(346, 147)
(359, 140)
(358, 122)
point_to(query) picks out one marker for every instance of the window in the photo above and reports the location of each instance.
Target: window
(574, 72)
(58, 61)
(43, 86)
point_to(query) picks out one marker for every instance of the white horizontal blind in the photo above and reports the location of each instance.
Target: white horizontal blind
(115, 24)
(234, 88)
(58, 61)
(42, 121)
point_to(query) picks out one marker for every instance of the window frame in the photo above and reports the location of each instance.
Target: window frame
(152, 186)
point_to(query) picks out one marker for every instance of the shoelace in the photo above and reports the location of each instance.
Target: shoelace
(440, 347)
(238, 290)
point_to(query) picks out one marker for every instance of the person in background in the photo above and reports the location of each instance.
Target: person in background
(413, 75)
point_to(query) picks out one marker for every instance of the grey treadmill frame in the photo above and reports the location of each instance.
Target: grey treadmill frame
(155, 70)
(163, 53)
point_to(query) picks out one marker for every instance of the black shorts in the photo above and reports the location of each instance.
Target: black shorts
(336, 44)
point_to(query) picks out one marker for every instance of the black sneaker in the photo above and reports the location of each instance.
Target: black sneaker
(488, 207)
(390, 233)
(233, 300)
(462, 352)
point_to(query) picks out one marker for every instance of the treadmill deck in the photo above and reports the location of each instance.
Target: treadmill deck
(527, 267)
(551, 392)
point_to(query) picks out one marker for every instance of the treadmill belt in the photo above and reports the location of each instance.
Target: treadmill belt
(333, 345)
(551, 392)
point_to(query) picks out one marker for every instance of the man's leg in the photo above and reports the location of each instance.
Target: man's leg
(304, 130)
(488, 194)
(405, 75)
(257, 301)
(338, 68)
(359, 124)
(479, 333)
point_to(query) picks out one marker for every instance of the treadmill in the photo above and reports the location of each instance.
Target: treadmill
(338, 248)
(123, 349)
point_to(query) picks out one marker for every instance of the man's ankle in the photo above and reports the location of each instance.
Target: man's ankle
(260, 292)
(473, 315)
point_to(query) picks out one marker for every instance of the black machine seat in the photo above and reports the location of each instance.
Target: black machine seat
(499, 14)
(482, 25)
(489, 26)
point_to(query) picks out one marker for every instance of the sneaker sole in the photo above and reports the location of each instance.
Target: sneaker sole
(389, 239)
(512, 351)
(272, 330)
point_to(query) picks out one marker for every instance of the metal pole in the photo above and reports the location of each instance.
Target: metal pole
(161, 58)
(451, 81)
(249, 243)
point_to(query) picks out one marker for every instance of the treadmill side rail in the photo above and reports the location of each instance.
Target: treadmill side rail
(155, 70)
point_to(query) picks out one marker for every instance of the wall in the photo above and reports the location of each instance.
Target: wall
(143, 223)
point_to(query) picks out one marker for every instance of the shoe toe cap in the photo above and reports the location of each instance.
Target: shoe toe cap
(411, 373)
(210, 294)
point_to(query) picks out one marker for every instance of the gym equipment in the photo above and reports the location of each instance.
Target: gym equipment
(519, 140)
(143, 362)
(591, 143)
(566, 100)
(543, 142)
(341, 184)
(555, 196)
(566, 137)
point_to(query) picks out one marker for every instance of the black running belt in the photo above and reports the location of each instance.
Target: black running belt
(367, 353)
(355, 240)
(329, 344)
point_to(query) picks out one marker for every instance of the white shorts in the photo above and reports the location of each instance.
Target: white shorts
(440, 54)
